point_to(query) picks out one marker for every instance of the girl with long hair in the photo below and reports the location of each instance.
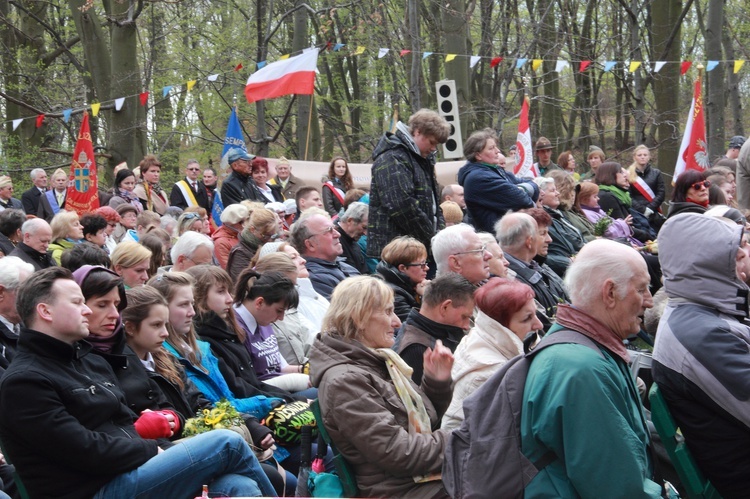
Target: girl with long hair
(339, 182)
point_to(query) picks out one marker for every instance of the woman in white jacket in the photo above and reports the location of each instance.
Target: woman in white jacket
(507, 313)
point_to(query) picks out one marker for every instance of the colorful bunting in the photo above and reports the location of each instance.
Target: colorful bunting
(143, 98)
(213, 77)
(684, 66)
(190, 84)
(165, 90)
(520, 63)
(238, 67)
(404, 52)
(382, 52)
(535, 64)
(261, 64)
(450, 57)
(16, 123)
(659, 65)
(360, 50)
(634, 65)
(583, 66)
(495, 61)
(118, 103)
(338, 47)
(66, 115)
(609, 65)
(738, 66)
(426, 55)
(711, 65)
(474, 60)
(39, 120)
(95, 108)
(560, 65)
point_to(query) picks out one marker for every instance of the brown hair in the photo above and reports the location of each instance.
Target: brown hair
(149, 161)
(403, 250)
(206, 276)
(347, 180)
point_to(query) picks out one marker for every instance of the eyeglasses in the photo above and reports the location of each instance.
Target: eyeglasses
(420, 264)
(110, 224)
(193, 169)
(480, 251)
(705, 183)
(327, 230)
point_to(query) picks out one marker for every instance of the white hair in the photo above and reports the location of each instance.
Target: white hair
(35, 172)
(514, 228)
(447, 242)
(543, 182)
(597, 262)
(356, 212)
(188, 243)
(32, 225)
(11, 268)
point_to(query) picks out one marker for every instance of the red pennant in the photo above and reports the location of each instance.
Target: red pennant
(329, 45)
(684, 67)
(144, 98)
(404, 52)
(584, 65)
(495, 61)
(39, 120)
(238, 67)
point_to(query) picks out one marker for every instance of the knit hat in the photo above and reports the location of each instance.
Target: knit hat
(452, 212)
(290, 206)
(268, 249)
(5, 181)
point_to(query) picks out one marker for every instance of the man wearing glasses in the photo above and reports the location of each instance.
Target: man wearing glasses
(190, 191)
(318, 241)
(458, 249)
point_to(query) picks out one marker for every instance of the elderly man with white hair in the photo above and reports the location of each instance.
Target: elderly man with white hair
(31, 199)
(458, 249)
(191, 249)
(351, 226)
(13, 271)
(37, 235)
(580, 405)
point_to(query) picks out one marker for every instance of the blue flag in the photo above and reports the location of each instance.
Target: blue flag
(232, 139)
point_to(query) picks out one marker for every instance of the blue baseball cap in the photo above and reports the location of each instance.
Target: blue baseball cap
(236, 153)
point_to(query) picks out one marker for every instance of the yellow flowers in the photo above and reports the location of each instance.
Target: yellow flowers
(222, 415)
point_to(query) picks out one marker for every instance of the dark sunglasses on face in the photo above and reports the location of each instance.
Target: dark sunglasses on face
(705, 183)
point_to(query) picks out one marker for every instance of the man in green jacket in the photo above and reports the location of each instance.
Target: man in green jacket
(583, 405)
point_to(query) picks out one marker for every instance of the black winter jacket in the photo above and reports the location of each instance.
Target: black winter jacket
(608, 201)
(652, 176)
(404, 294)
(404, 198)
(63, 420)
(237, 188)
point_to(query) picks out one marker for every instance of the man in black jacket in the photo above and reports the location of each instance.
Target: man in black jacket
(32, 201)
(65, 426)
(351, 226)
(37, 235)
(238, 186)
(190, 191)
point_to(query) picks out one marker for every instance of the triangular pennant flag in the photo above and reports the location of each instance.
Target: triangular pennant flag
(165, 90)
(711, 65)
(474, 60)
(608, 65)
(329, 46)
(262, 64)
(190, 85)
(213, 77)
(119, 102)
(284, 57)
(583, 66)
(738, 65)
(659, 65)
(144, 98)
(560, 65)
(495, 61)
(520, 63)
(95, 108)
(66, 114)
(684, 66)
(360, 50)
(404, 52)
(238, 67)
(634, 65)
(39, 120)
(382, 52)
(450, 57)
(338, 47)
(16, 123)
(426, 55)
(535, 64)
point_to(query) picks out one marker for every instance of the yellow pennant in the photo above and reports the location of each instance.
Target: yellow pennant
(738, 66)
(535, 64)
(284, 57)
(634, 65)
(190, 85)
(360, 50)
(95, 108)
(450, 57)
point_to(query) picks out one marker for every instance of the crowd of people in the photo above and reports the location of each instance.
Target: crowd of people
(393, 306)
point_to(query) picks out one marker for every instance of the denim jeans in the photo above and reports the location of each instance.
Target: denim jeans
(220, 459)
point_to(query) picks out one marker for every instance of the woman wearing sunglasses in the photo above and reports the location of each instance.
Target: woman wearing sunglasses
(690, 193)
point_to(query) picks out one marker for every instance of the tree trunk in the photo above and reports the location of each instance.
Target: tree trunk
(735, 103)
(715, 80)
(415, 73)
(454, 37)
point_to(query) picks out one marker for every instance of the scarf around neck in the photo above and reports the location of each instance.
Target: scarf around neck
(622, 195)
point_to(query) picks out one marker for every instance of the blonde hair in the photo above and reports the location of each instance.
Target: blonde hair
(128, 254)
(353, 303)
(403, 250)
(279, 262)
(263, 221)
(61, 224)
(452, 212)
(632, 175)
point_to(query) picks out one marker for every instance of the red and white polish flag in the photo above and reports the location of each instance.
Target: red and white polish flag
(524, 153)
(295, 75)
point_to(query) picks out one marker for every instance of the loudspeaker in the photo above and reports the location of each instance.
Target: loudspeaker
(448, 109)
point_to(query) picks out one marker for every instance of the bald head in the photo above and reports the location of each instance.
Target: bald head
(455, 193)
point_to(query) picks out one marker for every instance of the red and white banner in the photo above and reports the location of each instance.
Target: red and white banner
(524, 153)
(693, 154)
(295, 75)
(83, 186)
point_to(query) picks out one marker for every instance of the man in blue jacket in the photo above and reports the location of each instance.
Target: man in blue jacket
(65, 426)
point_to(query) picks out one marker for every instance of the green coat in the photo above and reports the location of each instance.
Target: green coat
(56, 248)
(586, 409)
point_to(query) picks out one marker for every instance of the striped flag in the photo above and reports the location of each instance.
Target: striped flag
(693, 154)
(524, 155)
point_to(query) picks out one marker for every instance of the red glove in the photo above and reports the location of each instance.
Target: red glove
(176, 428)
(153, 425)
